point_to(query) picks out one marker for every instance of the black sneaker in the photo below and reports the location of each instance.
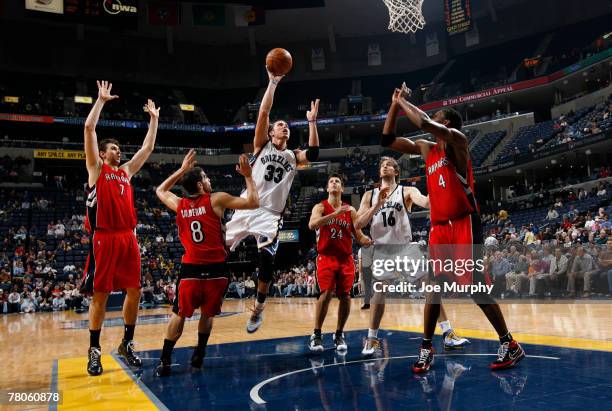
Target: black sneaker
(425, 361)
(340, 343)
(163, 369)
(365, 306)
(126, 350)
(316, 343)
(508, 355)
(197, 358)
(94, 364)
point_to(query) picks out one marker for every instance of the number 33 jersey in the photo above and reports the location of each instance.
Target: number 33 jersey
(200, 230)
(273, 173)
(390, 224)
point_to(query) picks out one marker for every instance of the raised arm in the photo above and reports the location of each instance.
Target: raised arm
(420, 119)
(365, 213)
(317, 219)
(361, 238)
(220, 201)
(135, 164)
(163, 192)
(92, 155)
(400, 144)
(312, 152)
(263, 119)
(416, 197)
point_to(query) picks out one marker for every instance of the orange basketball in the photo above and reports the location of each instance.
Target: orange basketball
(279, 61)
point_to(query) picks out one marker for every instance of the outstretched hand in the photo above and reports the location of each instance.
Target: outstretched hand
(244, 167)
(189, 161)
(311, 114)
(150, 107)
(273, 77)
(104, 91)
(406, 93)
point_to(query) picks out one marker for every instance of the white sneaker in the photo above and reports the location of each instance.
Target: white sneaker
(454, 342)
(316, 343)
(256, 319)
(372, 345)
(340, 342)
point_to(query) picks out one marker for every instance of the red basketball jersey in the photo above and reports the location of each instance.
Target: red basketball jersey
(201, 231)
(451, 196)
(334, 238)
(110, 202)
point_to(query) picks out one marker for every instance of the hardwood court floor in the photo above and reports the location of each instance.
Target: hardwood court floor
(30, 342)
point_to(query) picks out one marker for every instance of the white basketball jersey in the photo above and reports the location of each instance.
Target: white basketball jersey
(390, 224)
(273, 173)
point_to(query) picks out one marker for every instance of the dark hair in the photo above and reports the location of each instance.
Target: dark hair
(271, 126)
(453, 117)
(191, 179)
(103, 145)
(395, 164)
(338, 176)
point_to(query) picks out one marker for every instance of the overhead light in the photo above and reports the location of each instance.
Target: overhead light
(11, 99)
(187, 107)
(588, 152)
(83, 99)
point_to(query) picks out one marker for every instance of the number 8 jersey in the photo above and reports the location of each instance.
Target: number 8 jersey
(390, 224)
(273, 173)
(201, 231)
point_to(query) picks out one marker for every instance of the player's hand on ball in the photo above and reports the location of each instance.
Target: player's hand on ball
(104, 91)
(189, 161)
(273, 77)
(396, 96)
(311, 114)
(150, 107)
(244, 167)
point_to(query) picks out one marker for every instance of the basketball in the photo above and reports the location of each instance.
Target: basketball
(279, 61)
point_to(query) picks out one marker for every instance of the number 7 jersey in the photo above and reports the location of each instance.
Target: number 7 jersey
(201, 231)
(273, 173)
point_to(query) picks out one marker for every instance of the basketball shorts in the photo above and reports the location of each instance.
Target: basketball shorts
(335, 273)
(113, 262)
(261, 223)
(201, 286)
(456, 250)
(403, 262)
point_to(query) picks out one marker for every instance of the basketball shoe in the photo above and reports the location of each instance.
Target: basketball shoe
(316, 343)
(197, 358)
(452, 341)
(425, 360)
(508, 355)
(94, 364)
(340, 342)
(163, 368)
(126, 350)
(371, 347)
(256, 318)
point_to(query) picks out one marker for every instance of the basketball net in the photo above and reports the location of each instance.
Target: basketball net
(405, 16)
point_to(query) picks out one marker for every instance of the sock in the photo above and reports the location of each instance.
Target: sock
(426, 343)
(94, 338)
(261, 298)
(128, 332)
(372, 333)
(167, 350)
(317, 332)
(339, 333)
(506, 338)
(202, 341)
(446, 326)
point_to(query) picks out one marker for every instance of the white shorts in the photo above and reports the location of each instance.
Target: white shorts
(408, 262)
(261, 223)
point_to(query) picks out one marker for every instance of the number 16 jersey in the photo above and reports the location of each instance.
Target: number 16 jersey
(273, 173)
(201, 231)
(390, 224)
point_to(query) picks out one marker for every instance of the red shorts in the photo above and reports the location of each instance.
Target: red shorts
(335, 273)
(201, 286)
(113, 262)
(457, 243)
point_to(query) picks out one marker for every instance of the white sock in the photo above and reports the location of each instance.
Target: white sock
(259, 305)
(372, 333)
(446, 326)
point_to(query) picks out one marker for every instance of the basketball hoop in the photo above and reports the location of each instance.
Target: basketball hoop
(405, 16)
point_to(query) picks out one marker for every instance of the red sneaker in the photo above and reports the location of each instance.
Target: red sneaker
(508, 355)
(425, 361)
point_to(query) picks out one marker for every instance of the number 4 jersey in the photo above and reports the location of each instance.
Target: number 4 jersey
(273, 173)
(200, 230)
(390, 224)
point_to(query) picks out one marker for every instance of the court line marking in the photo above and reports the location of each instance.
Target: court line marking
(152, 397)
(53, 388)
(254, 393)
